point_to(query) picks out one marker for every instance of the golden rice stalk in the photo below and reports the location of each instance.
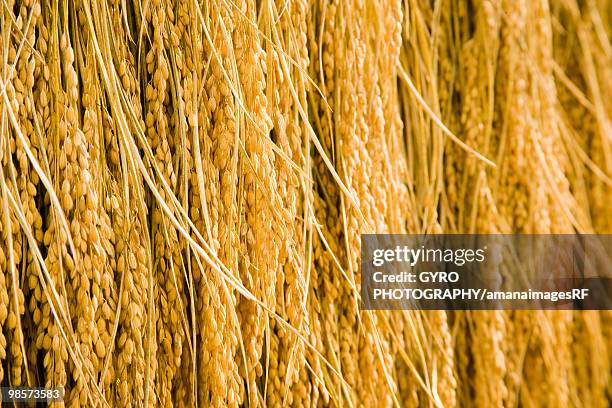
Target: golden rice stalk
(286, 94)
(327, 277)
(133, 263)
(214, 209)
(103, 287)
(261, 236)
(3, 298)
(167, 253)
(26, 75)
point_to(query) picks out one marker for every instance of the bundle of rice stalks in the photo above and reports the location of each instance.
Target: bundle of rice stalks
(183, 185)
